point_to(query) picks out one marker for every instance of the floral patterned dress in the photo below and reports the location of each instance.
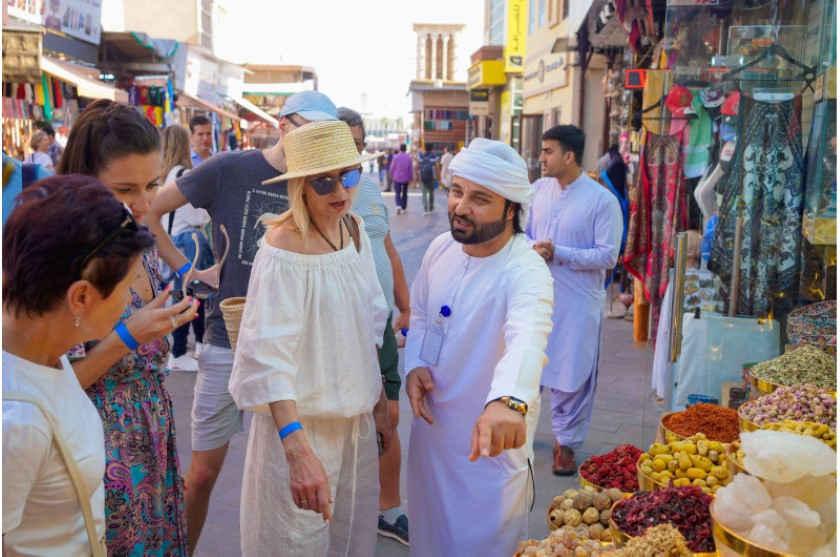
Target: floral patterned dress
(658, 213)
(144, 492)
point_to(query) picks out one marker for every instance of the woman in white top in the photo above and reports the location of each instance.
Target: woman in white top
(306, 362)
(40, 144)
(62, 285)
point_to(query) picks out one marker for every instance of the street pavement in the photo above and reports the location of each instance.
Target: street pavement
(624, 408)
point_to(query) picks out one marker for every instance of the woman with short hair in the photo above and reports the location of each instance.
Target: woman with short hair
(306, 362)
(62, 285)
(124, 373)
(40, 144)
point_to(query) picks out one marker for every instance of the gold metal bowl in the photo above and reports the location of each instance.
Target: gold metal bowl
(666, 434)
(646, 483)
(584, 483)
(728, 538)
(744, 423)
(732, 462)
(761, 387)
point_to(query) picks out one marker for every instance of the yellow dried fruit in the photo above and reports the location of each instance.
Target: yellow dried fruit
(701, 462)
(695, 473)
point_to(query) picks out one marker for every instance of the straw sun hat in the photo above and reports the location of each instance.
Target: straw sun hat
(320, 147)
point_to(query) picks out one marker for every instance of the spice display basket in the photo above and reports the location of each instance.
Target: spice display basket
(732, 463)
(666, 434)
(232, 309)
(761, 387)
(646, 483)
(814, 325)
(584, 483)
(728, 542)
(620, 537)
(744, 423)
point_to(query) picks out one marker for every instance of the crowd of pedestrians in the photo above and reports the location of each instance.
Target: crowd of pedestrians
(109, 264)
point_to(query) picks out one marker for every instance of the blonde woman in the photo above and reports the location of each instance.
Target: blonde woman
(181, 224)
(40, 144)
(306, 362)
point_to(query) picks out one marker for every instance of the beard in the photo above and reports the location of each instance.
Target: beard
(476, 233)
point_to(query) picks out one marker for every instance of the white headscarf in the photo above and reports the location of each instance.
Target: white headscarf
(497, 167)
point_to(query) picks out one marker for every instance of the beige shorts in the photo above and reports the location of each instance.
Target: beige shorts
(215, 417)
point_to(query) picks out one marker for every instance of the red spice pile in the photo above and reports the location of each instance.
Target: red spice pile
(685, 508)
(616, 469)
(715, 422)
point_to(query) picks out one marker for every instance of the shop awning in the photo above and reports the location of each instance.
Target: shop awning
(207, 105)
(86, 79)
(254, 109)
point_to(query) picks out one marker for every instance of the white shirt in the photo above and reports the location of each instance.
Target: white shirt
(369, 205)
(493, 346)
(584, 223)
(41, 511)
(445, 176)
(187, 217)
(38, 157)
(309, 332)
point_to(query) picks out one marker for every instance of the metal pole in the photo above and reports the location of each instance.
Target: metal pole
(677, 301)
(678, 306)
(736, 267)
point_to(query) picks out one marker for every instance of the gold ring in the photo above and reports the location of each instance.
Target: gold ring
(173, 321)
(303, 502)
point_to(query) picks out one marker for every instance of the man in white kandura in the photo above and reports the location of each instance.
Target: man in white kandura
(480, 317)
(577, 225)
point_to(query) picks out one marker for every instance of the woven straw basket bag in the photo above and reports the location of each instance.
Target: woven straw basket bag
(232, 309)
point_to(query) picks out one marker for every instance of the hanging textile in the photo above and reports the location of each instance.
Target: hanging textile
(766, 189)
(657, 214)
(46, 88)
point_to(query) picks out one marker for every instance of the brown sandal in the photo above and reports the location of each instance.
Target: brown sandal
(564, 461)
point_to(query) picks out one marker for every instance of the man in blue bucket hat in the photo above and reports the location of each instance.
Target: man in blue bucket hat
(229, 186)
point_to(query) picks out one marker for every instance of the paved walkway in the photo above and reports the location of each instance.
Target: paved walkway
(624, 411)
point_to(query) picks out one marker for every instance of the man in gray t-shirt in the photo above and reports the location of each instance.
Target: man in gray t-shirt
(229, 186)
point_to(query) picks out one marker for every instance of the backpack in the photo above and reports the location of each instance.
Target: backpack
(28, 174)
(427, 168)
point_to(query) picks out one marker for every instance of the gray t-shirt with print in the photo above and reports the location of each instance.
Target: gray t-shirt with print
(229, 186)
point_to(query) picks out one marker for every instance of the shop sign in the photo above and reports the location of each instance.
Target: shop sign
(479, 102)
(201, 77)
(486, 73)
(21, 56)
(547, 71)
(76, 18)
(517, 29)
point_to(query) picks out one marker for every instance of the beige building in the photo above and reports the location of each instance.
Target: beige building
(439, 101)
(556, 88)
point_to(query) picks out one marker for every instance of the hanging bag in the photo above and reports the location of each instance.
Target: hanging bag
(97, 544)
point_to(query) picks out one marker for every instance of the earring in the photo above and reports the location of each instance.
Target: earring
(78, 321)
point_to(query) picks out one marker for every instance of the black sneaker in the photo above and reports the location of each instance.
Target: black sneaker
(397, 531)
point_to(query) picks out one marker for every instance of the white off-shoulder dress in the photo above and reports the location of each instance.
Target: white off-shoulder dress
(309, 333)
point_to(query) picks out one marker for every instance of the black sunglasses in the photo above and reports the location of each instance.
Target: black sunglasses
(198, 288)
(127, 222)
(326, 184)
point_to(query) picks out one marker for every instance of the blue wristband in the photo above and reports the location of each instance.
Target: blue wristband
(125, 336)
(183, 270)
(289, 429)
